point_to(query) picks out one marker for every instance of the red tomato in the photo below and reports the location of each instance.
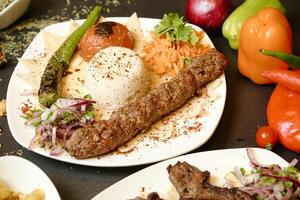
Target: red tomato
(265, 136)
(103, 35)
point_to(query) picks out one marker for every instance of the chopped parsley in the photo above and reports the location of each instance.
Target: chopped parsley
(89, 115)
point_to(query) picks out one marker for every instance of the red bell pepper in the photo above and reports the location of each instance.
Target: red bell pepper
(283, 111)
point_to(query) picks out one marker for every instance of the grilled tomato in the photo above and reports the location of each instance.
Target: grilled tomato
(102, 35)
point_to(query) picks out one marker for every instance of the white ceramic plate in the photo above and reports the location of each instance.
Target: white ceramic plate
(12, 12)
(22, 176)
(156, 179)
(148, 150)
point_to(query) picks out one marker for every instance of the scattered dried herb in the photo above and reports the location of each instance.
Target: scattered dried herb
(16, 39)
(4, 4)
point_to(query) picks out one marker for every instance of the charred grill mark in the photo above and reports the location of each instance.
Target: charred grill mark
(104, 28)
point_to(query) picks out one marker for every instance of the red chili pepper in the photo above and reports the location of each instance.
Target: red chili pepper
(289, 79)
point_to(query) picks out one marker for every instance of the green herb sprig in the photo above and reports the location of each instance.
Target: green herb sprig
(176, 29)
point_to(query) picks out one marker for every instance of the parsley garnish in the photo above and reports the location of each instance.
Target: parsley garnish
(176, 29)
(89, 115)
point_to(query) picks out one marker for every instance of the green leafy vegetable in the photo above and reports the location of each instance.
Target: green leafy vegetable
(176, 29)
(89, 115)
(243, 171)
(287, 184)
(289, 171)
(88, 96)
(68, 117)
(267, 181)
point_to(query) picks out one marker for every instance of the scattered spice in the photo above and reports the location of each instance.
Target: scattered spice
(18, 152)
(2, 58)
(2, 107)
(16, 39)
(4, 4)
(25, 107)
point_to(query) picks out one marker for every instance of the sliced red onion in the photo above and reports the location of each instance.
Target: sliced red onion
(82, 102)
(293, 163)
(63, 102)
(53, 137)
(83, 108)
(53, 116)
(288, 194)
(276, 168)
(297, 192)
(36, 114)
(57, 151)
(253, 160)
(29, 92)
(54, 127)
(44, 135)
(32, 143)
(271, 197)
(245, 180)
(284, 178)
(45, 114)
(41, 129)
(277, 189)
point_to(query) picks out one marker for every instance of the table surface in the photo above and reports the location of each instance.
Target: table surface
(245, 107)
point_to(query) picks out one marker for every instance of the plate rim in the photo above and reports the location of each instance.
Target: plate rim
(185, 158)
(132, 163)
(24, 161)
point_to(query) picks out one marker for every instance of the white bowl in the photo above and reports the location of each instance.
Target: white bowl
(23, 176)
(12, 12)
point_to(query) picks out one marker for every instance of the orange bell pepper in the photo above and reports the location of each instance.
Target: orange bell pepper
(283, 115)
(269, 29)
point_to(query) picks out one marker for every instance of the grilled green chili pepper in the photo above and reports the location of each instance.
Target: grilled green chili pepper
(49, 90)
(232, 26)
(292, 60)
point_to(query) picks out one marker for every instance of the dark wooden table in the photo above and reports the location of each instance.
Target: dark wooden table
(245, 108)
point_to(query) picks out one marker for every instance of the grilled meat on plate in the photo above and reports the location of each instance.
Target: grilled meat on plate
(193, 184)
(139, 114)
(151, 196)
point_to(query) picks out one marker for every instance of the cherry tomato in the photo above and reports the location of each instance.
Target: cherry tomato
(265, 136)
